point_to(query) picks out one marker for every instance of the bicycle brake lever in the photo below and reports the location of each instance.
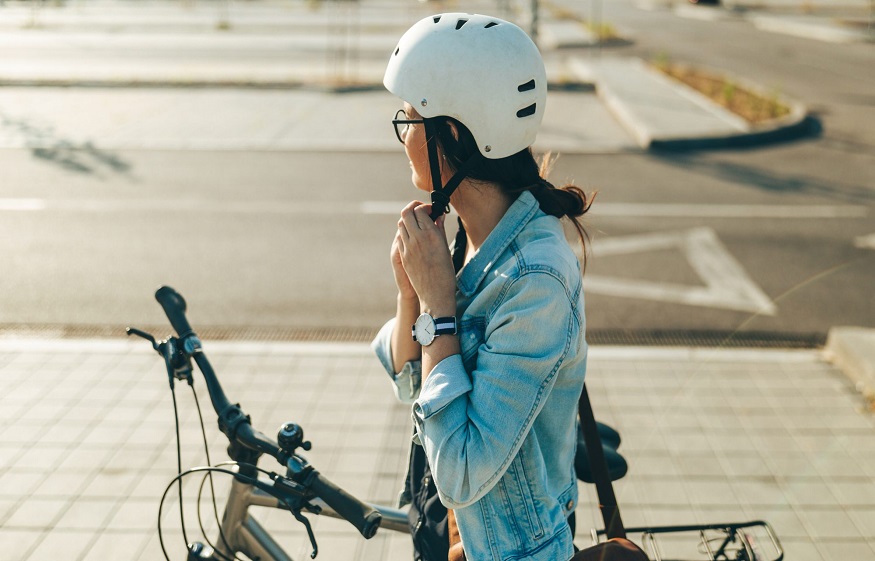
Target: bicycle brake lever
(303, 520)
(143, 335)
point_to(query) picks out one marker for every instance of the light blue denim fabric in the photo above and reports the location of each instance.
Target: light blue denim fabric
(498, 422)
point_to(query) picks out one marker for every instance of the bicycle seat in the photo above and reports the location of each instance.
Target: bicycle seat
(617, 466)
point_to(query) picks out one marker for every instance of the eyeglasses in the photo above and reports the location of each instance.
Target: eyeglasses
(402, 123)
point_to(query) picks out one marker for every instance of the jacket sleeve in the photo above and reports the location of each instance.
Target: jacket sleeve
(472, 424)
(405, 383)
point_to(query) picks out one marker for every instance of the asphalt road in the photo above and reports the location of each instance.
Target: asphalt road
(301, 239)
(776, 239)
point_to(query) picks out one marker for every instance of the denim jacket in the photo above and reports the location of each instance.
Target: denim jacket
(498, 421)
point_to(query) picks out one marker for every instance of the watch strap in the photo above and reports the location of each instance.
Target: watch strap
(445, 326)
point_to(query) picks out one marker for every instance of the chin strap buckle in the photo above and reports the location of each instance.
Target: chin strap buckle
(440, 204)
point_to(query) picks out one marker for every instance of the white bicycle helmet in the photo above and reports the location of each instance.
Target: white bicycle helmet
(483, 71)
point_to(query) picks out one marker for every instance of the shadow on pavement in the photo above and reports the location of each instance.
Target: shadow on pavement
(78, 157)
(765, 179)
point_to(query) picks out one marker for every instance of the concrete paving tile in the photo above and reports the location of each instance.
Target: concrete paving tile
(36, 513)
(669, 492)
(61, 484)
(117, 545)
(828, 523)
(790, 464)
(845, 550)
(796, 549)
(9, 452)
(21, 433)
(783, 520)
(110, 483)
(653, 463)
(19, 483)
(711, 492)
(808, 491)
(859, 443)
(727, 421)
(864, 518)
(400, 548)
(659, 515)
(39, 457)
(699, 464)
(776, 442)
(759, 492)
(87, 514)
(134, 515)
(749, 464)
(59, 432)
(732, 444)
(374, 549)
(15, 544)
(839, 466)
(84, 458)
(857, 492)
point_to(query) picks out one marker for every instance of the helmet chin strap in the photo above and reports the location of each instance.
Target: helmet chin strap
(440, 194)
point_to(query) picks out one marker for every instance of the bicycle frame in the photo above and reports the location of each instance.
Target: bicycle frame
(244, 534)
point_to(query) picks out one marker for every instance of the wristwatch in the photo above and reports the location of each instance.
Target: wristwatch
(427, 328)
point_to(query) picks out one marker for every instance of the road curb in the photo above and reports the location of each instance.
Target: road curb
(852, 349)
(797, 124)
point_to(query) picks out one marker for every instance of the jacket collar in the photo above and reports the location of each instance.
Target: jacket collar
(508, 228)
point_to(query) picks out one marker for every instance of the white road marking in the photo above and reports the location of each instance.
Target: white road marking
(865, 242)
(22, 204)
(727, 285)
(393, 208)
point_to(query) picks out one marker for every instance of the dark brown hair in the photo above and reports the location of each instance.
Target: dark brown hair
(515, 174)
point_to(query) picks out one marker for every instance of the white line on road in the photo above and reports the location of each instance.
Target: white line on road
(727, 285)
(627, 210)
(865, 242)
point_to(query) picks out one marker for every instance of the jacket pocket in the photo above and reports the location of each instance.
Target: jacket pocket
(521, 506)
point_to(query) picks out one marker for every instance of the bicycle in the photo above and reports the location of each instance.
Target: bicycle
(303, 488)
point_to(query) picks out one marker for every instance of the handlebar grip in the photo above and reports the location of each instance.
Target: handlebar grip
(174, 306)
(364, 517)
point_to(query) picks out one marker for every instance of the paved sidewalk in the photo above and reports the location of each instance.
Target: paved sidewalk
(87, 443)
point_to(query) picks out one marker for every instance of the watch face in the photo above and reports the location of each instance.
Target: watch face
(424, 329)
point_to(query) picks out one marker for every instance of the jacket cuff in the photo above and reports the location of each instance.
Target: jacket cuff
(405, 383)
(447, 381)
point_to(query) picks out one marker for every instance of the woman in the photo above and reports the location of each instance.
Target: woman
(497, 357)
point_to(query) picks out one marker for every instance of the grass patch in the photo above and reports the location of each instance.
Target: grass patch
(751, 106)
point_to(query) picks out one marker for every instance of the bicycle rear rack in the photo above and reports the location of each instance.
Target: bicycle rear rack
(745, 541)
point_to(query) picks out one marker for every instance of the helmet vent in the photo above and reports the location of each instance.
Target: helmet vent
(460, 23)
(526, 111)
(490, 24)
(436, 19)
(397, 50)
(527, 87)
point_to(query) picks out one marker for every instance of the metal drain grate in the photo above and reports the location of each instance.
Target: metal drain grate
(706, 338)
(597, 337)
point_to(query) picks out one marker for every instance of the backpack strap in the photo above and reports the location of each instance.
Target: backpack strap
(607, 500)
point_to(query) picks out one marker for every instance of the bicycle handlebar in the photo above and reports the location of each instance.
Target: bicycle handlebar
(174, 306)
(364, 517)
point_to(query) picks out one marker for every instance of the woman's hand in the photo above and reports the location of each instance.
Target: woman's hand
(402, 281)
(425, 258)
